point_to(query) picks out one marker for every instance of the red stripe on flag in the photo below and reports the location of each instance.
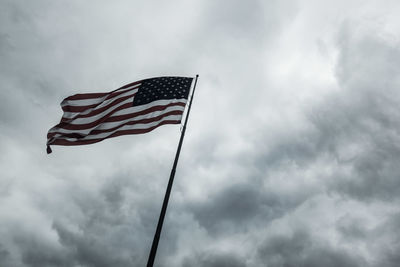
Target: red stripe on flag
(85, 96)
(110, 118)
(96, 131)
(95, 111)
(63, 142)
(98, 95)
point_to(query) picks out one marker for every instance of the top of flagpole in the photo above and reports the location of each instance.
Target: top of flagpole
(190, 102)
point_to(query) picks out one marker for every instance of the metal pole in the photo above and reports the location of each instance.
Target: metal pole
(154, 246)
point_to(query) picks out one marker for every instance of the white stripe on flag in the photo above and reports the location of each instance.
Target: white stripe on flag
(125, 127)
(125, 111)
(109, 125)
(94, 101)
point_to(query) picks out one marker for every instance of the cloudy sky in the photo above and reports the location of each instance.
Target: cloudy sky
(291, 157)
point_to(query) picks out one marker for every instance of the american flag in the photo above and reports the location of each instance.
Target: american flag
(135, 108)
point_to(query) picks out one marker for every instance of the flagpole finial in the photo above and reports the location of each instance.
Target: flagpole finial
(48, 150)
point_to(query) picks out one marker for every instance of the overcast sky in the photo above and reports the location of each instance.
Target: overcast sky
(291, 156)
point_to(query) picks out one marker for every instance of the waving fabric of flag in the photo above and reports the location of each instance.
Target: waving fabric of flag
(135, 108)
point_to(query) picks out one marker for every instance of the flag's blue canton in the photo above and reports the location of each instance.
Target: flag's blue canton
(162, 88)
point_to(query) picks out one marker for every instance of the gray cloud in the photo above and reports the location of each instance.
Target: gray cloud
(360, 126)
(300, 249)
(249, 21)
(35, 252)
(214, 260)
(237, 206)
(4, 256)
(290, 157)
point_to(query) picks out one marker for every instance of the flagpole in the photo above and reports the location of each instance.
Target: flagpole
(154, 245)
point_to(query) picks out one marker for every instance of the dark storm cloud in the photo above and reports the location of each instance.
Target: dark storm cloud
(253, 20)
(359, 126)
(352, 229)
(31, 68)
(87, 249)
(237, 19)
(355, 230)
(4, 42)
(106, 233)
(35, 252)
(116, 228)
(354, 130)
(300, 249)
(236, 207)
(385, 239)
(210, 259)
(252, 188)
(357, 130)
(4, 256)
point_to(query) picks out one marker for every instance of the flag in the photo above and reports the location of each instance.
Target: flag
(135, 108)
